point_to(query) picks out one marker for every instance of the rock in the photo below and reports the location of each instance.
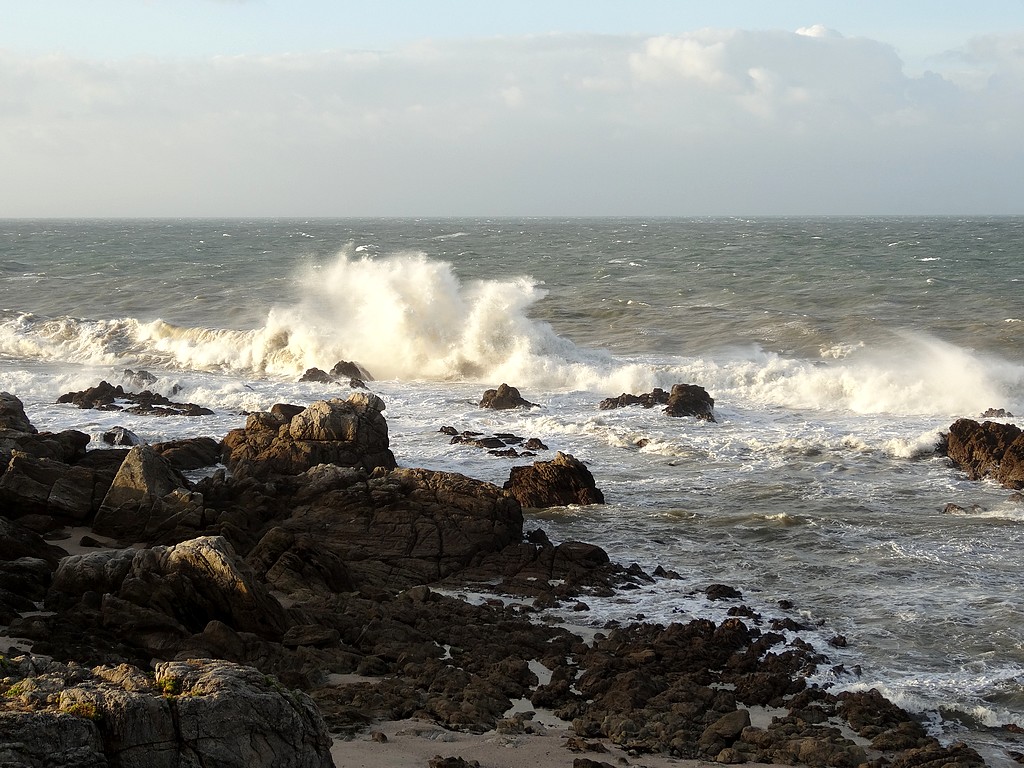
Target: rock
(351, 433)
(562, 481)
(504, 398)
(147, 496)
(656, 397)
(349, 370)
(196, 712)
(393, 530)
(690, 400)
(121, 436)
(723, 733)
(12, 415)
(104, 396)
(190, 453)
(51, 488)
(316, 375)
(989, 449)
(996, 413)
(723, 592)
(68, 446)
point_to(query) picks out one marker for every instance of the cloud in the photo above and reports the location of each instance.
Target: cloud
(716, 121)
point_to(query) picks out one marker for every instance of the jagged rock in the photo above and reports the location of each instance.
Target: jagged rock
(122, 436)
(405, 527)
(158, 596)
(190, 453)
(504, 398)
(656, 397)
(990, 449)
(316, 375)
(32, 486)
(197, 712)
(690, 400)
(104, 396)
(349, 432)
(12, 414)
(68, 446)
(146, 497)
(723, 732)
(563, 480)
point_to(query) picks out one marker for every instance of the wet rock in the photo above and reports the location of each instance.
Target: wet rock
(504, 398)
(723, 592)
(656, 397)
(121, 436)
(989, 449)
(690, 400)
(105, 396)
(562, 481)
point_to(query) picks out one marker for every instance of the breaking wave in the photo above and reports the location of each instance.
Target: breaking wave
(407, 317)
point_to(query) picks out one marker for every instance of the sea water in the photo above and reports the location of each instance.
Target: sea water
(837, 351)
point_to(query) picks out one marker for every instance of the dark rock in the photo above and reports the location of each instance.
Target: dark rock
(723, 592)
(690, 400)
(121, 436)
(349, 370)
(190, 453)
(996, 413)
(990, 449)
(504, 398)
(12, 415)
(562, 481)
(46, 487)
(656, 397)
(146, 497)
(316, 375)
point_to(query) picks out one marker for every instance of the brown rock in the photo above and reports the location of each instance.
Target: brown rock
(990, 449)
(690, 400)
(350, 433)
(504, 398)
(562, 481)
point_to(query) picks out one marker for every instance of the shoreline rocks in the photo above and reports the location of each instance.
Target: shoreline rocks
(318, 557)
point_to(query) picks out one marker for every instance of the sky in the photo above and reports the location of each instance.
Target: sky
(172, 108)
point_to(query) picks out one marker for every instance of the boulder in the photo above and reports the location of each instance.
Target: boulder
(690, 400)
(392, 530)
(989, 449)
(12, 414)
(504, 398)
(562, 481)
(190, 453)
(68, 446)
(52, 488)
(191, 713)
(147, 496)
(121, 436)
(350, 433)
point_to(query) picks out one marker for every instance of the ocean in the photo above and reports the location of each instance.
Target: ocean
(837, 351)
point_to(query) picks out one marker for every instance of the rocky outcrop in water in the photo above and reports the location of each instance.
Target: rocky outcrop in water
(106, 397)
(987, 450)
(562, 481)
(504, 398)
(683, 400)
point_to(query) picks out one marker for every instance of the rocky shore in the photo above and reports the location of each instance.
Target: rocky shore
(307, 594)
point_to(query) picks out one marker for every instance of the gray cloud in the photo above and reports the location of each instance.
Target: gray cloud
(710, 122)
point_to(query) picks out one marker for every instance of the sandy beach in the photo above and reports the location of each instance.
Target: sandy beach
(412, 743)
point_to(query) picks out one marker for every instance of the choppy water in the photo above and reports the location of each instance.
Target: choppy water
(836, 350)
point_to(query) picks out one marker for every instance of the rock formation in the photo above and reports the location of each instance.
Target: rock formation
(989, 449)
(563, 480)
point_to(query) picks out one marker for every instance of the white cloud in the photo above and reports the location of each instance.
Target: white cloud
(714, 121)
